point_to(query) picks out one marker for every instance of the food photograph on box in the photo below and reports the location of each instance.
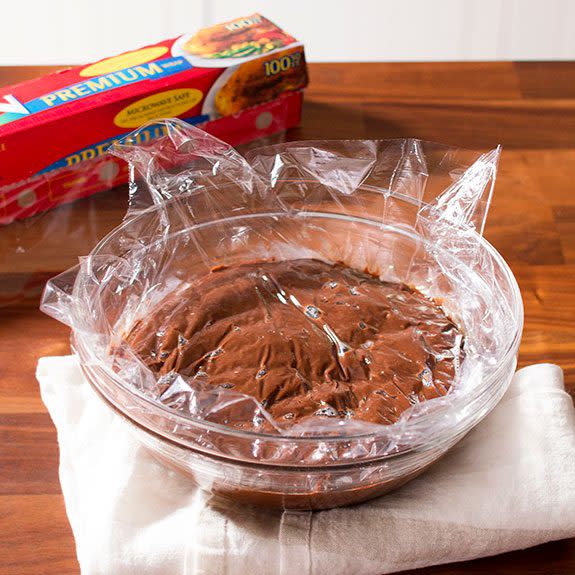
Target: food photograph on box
(278, 304)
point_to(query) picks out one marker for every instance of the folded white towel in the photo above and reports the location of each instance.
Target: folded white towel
(509, 484)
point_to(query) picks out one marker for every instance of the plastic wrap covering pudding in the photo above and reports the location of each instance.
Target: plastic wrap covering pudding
(305, 338)
(307, 327)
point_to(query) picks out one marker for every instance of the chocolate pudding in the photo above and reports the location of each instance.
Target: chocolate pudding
(306, 338)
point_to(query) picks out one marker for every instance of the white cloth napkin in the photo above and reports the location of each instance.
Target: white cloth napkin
(509, 484)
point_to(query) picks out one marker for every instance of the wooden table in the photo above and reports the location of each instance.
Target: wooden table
(529, 108)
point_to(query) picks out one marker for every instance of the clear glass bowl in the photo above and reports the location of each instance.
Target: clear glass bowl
(322, 471)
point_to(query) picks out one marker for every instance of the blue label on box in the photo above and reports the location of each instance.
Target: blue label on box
(96, 150)
(96, 85)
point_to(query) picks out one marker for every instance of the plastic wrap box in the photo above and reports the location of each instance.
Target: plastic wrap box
(239, 81)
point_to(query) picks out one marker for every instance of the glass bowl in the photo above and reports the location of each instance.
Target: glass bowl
(320, 471)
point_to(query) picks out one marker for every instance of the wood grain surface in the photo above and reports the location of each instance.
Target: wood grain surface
(529, 108)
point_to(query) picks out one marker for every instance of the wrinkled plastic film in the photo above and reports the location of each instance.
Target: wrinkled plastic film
(406, 210)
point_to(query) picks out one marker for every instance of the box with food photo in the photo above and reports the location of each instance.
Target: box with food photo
(239, 80)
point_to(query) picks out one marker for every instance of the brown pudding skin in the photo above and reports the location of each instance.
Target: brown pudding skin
(307, 339)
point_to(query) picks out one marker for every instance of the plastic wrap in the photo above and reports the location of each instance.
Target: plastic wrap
(406, 210)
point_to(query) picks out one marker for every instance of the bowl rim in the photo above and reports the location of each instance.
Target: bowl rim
(488, 380)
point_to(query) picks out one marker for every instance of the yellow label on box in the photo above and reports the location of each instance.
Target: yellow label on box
(162, 105)
(123, 61)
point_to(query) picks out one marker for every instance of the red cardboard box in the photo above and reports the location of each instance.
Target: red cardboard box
(239, 81)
